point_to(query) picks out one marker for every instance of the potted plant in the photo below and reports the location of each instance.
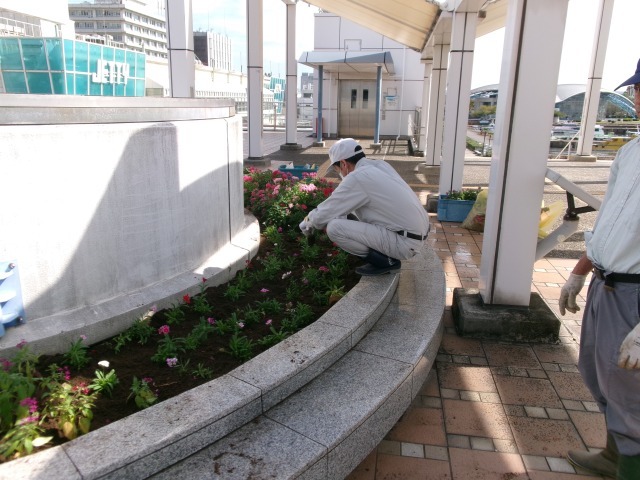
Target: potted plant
(454, 206)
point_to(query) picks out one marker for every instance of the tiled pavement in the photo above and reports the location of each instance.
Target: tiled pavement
(490, 410)
(493, 410)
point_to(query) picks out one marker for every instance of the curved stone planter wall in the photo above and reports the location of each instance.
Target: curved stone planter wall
(114, 204)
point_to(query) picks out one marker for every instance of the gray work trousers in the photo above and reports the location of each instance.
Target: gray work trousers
(358, 237)
(608, 317)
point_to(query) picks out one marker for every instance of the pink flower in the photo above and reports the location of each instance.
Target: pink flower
(83, 337)
(172, 362)
(22, 344)
(186, 299)
(240, 324)
(305, 281)
(6, 364)
(164, 330)
(323, 269)
(268, 322)
(211, 321)
(279, 229)
(264, 290)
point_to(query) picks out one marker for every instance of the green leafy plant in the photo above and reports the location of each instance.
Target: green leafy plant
(143, 393)
(270, 306)
(77, 355)
(22, 438)
(462, 194)
(168, 347)
(104, 382)
(241, 347)
(201, 305)
(274, 338)
(175, 315)
(202, 371)
(234, 292)
(68, 406)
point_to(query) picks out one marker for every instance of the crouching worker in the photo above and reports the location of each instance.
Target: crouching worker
(386, 222)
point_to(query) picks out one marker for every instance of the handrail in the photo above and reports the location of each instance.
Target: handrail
(571, 218)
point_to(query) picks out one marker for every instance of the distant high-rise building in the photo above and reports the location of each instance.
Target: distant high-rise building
(139, 25)
(213, 49)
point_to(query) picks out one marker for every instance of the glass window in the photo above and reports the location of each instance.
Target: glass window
(68, 54)
(354, 97)
(39, 82)
(140, 88)
(82, 84)
(34, 54)
(10, 54)
(54, 52)
(130, 89)
(14, 82)
(71, 87)
(365, 98)
(82, 57)
(119, 90)
(57, 80)
(119, 55)
(95, 88)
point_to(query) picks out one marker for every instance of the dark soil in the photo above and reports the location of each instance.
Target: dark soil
(135, 359)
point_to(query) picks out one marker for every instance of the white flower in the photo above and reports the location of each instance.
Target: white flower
(104, 363)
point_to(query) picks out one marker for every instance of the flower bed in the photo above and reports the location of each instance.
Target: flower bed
(289, 284)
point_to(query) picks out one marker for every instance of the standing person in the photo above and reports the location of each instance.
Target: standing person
(610, 339)
(391, 222)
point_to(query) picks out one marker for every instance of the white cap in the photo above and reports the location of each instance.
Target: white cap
(344, 149)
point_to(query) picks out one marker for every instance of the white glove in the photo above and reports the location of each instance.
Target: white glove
(305, 227)
(568, 294)
(630, 350)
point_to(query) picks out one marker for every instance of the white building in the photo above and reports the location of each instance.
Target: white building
(139, 25)
(350, 55)
(213, 49)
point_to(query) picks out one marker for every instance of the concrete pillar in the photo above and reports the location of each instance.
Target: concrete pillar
(456, 116)
(182, 70)
(594, 83)
(255, 77)
(435, 126)
(291, 98)
(424, 113)
(376, 130)
(528, 82)
(319, 142)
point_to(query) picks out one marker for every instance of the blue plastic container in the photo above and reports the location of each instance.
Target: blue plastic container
(453, 210)
(297, 170)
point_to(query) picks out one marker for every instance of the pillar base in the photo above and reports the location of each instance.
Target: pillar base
(318, 144)
(432, 202)
(472, 318)
(376, 146)
(291, 146)
(582, 158)
(257, 162)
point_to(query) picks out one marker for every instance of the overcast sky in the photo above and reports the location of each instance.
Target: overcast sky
(229, 17)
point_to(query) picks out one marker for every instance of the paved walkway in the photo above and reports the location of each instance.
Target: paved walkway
(488, 410)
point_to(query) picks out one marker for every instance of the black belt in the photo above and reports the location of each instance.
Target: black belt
(402, 233)
(611, 278)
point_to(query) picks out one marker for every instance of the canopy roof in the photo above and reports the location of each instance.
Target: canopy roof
(346, 61)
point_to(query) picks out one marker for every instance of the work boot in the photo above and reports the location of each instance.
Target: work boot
(379, 264)
(602, 463)
(628, 467)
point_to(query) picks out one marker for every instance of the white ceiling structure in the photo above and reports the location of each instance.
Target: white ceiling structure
(418, 24)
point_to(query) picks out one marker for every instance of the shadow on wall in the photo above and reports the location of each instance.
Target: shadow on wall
(123, 221)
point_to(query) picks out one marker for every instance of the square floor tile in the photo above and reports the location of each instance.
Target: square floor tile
(533, 392)
(510, 355)
(455, 345)
(557, 353)
(420, 425)
(591, 427)
(545, 437)
(479, 465)
(466, 377)
(476, 419)
(408, 468)
(570, 386)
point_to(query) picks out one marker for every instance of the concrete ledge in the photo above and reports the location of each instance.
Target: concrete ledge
(54, 334)
(325, 429)
(472, 318)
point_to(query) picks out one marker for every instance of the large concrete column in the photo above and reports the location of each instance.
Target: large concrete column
(594, 83)
(456, 116)
(291, 98)
(435, 126)
(528, 83)
(504, 307)
(255, 77)
(376, 129)
(424, 113)
(182, 70)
